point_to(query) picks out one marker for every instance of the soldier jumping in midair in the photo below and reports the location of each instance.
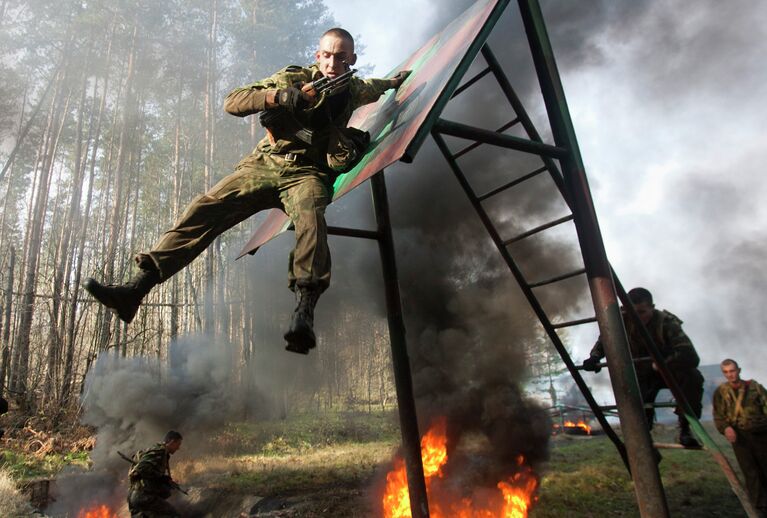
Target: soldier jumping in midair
(283, 172)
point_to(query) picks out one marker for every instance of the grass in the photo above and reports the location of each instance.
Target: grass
(317, 459)
(12, 503)
(22, 466)
(343, 465)
(333, 465)
(306, 432)
(585, 477)
(318, 465)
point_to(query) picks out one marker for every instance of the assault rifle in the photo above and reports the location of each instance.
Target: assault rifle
(173, 484)
(329, 85)
(280, 118)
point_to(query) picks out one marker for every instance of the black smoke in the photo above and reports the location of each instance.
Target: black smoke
(470, 329)
(133, 402)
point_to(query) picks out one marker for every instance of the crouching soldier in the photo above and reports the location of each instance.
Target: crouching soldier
(678, 353)
(150, 481)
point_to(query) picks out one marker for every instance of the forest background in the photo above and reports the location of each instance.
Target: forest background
(110, 123)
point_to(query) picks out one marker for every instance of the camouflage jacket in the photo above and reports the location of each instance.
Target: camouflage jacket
(329, 111)
(749, 415)
(151, 471)
(666, 330)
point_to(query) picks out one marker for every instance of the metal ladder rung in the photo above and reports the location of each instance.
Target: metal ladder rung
(662, 404)
(605, 365)
(525, 145)
(475, 145)
(558, 278)
(572, 323)
(538, 229)
(512, 183)
(471, 81)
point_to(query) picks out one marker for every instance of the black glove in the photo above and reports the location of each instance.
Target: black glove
(591, 364)
(292, 99)
(400, 77)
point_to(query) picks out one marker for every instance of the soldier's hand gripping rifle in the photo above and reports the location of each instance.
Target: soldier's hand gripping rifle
(172, 483)
(328, 85)
(290, 99)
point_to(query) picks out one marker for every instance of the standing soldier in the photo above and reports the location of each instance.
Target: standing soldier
(292, 168)
(678, 353)
(150, 480)
(740, 414)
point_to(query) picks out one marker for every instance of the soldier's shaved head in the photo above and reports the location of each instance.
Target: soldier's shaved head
(731, 371)
(338, 32)
(172, 435)
(172, 441)
(640, 295)
(336, 52)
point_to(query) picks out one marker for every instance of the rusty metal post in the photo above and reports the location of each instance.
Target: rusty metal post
(411, 439)
(648, 488)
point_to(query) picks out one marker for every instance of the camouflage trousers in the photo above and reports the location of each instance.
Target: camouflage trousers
(690, 381)
(751, 451)
(260, 181)
(144, 505)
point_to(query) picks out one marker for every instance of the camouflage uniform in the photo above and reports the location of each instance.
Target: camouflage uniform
(745, 410)
(282, 172)
(150, 485)
(677, 351)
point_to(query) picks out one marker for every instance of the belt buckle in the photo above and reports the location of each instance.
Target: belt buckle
(291, 157)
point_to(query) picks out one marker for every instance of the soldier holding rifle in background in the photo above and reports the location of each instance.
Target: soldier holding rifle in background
(150, 480)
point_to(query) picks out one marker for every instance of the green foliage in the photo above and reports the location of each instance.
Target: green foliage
(22, 466)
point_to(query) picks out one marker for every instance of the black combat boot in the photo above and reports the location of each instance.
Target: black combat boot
(124, 299)
(686, 438)
(300, 335)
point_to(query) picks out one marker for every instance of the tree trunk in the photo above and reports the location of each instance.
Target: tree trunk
(177, 181)
(6, 331)
(28, 126)
(31, 261)
(64, 262)
(115, 231)
(210, 92)
(66, 382)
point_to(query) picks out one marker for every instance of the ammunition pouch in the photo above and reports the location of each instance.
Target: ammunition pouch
(160, 487)
(284, 125)
(346, 147)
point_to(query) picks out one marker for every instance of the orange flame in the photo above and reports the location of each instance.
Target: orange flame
(512, 500)
(434, 449)
(97, 511)
(580, 424)
(396, 500)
